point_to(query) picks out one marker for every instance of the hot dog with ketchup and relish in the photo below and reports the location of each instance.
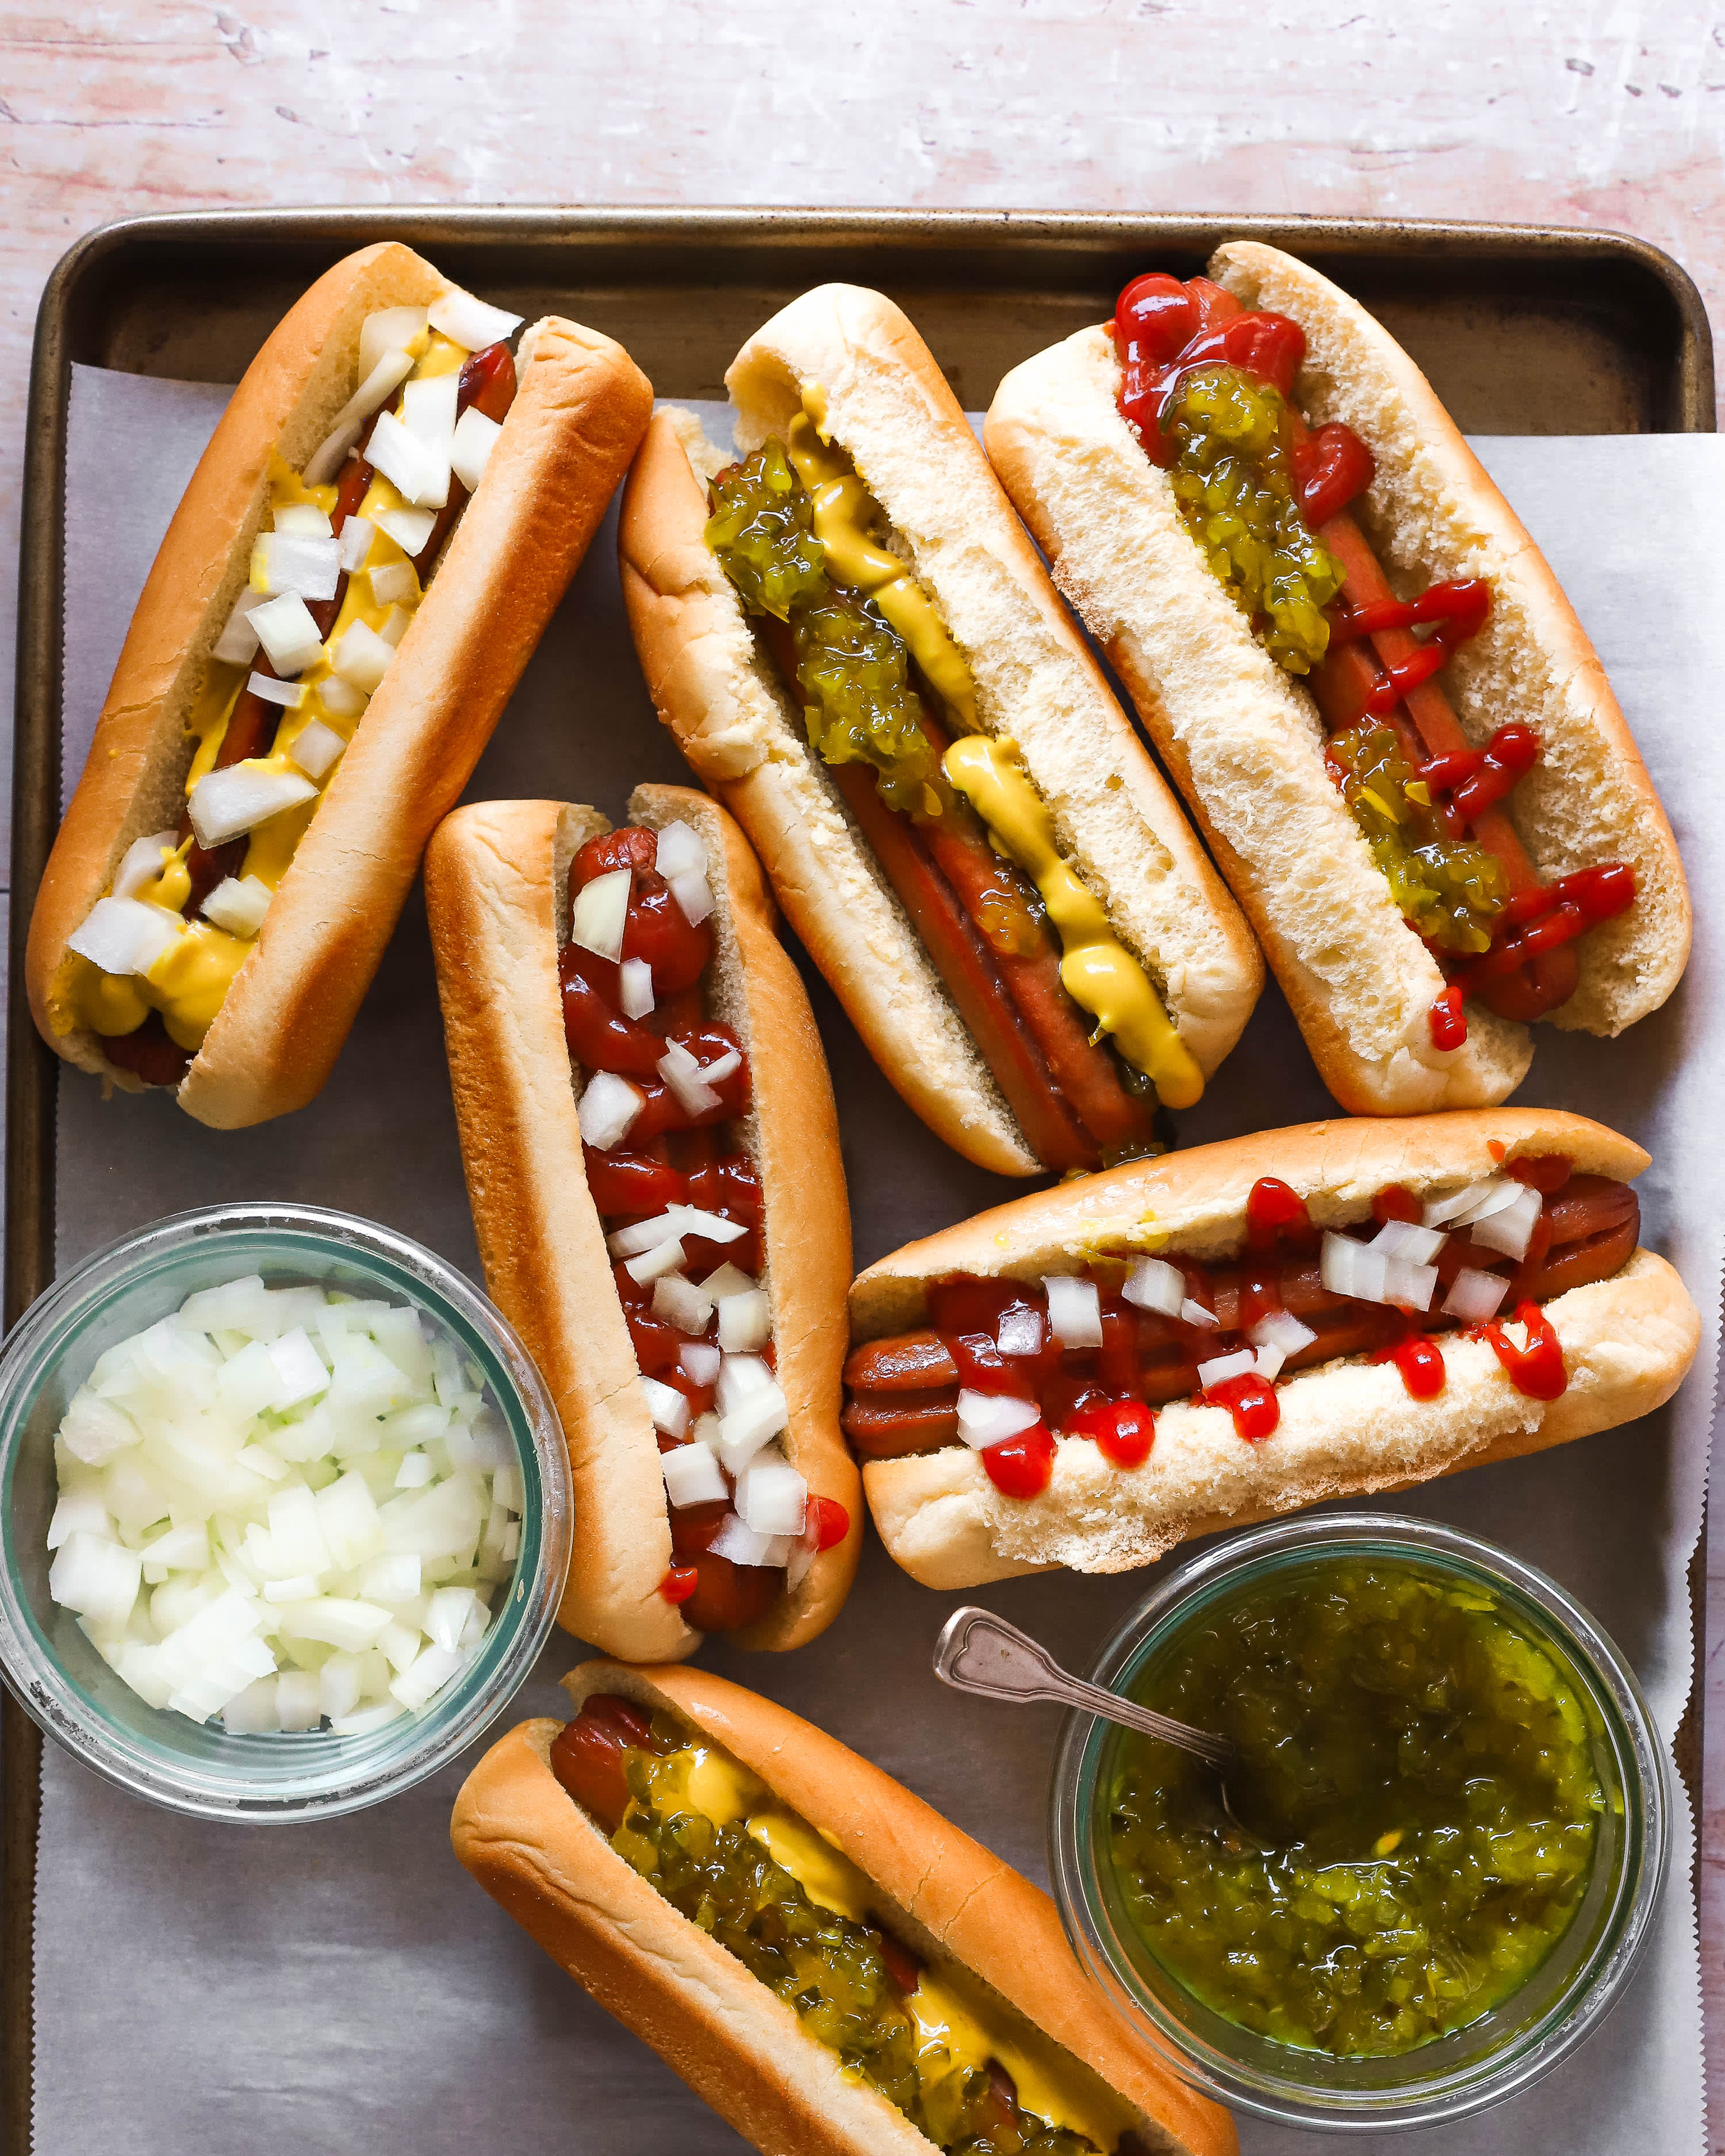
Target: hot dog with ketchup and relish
(1087, 1377)
(384, 522)
(855, 645)
(652, 1158)
(826, 1960)
(1378, 702)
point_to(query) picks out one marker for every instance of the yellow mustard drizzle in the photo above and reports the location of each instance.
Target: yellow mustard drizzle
(956, 2020)
(844, 510)
(1096, 970)
(188, 981)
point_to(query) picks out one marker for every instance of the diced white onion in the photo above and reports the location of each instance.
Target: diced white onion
(641, 1236)
(396, 624)
(600, 912)
(303, 519)
(772, 1496)
(634, 988)
(666, 1257)
(339, 698)
(727, 1280)
(607, 1108)
(469, 322)
(1401, 1238)
(225, 804)
(416, 472)
(1194, 1313)
(757, 1417)
(327, 459)
(678, 1301)
(740, 1375)
(1153, 1284)
(986, 1419)
(1475, 1295)
(238, 905)
(1268, 1362)
(693, 894)
(317, 748)
(667, 1406)
(680, 849)
(692, 1476)
(470, 446)
(745, 1322)
(141, 862)
(1074, 1311)
(97, 1578)
(739, 1541)
(289, 695)
(387, 330)
(409, 528)
(355, 541)
(428, 1674)
(362, 657)
(291, 561)
(417, 1469)
(448, 1615)
(1477, 1201)
(711, 1227)
(1510, 1228)
(686, 1080)
(392, 581)
(1220, 1367)
(1020, 1331)
(392, 1578)
(701, 1360)
(1353, 1269)
(96, 1430)
(1281, 1328)
(378, 384)
(1408, 1286)
(239, 640)
(80, 1510)
(124, 935)
(428, 409)
(288, 634)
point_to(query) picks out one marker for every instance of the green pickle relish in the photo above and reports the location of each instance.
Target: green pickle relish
(853, 668)
(1414, 1816)
(830, 1969)
(1450, 891)
(1232, 481)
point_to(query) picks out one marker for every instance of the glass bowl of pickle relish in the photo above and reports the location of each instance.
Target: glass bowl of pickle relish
(1434, 1864)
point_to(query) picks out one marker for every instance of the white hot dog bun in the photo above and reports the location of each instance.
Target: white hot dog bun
(884, 403)
(1347, 1426)
(1243, 739)
(539, 1853)
(580, 408)
(496, 889)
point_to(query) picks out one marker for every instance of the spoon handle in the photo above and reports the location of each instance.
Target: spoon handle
(979, 1652)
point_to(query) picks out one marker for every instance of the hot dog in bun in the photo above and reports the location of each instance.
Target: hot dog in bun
(1087, 1377)
(857, 648)
(1258, 505)
(384, 522)
(676, 1249)
(863, 1977)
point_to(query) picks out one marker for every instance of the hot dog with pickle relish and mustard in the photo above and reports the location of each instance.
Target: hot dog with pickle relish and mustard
(1378, 702)
(652, 1158)
(855, 645)
(383, 523)
(1087, 1377)
(825, 1960)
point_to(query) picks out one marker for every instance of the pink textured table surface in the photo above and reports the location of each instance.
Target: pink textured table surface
(1602, 112)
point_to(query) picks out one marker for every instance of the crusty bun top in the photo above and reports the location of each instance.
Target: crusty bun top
(1197, 1198)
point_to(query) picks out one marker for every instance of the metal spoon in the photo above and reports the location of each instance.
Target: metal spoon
(979, 1652)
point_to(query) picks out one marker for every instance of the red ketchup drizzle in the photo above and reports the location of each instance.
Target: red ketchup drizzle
(1020, 1466)
(1536, 1371)
(1124, 1430)
(1252, 1401)
(1460, 611)
(1421, 1363)
(1276, 1211)
(679, 1583)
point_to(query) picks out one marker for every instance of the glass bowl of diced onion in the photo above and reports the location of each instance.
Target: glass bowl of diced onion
(286, 1512)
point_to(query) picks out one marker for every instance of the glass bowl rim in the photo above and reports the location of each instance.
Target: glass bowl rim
(44, 1334)
(1596, 1986)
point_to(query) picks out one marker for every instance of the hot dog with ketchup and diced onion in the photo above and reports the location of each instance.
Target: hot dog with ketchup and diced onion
(855, 645)
(1087, 1377)
(1376, 700)
(823, 1958)
(384, 522)
(652, 1158)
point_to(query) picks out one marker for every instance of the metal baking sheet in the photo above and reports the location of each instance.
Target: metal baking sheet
(1522, 330)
